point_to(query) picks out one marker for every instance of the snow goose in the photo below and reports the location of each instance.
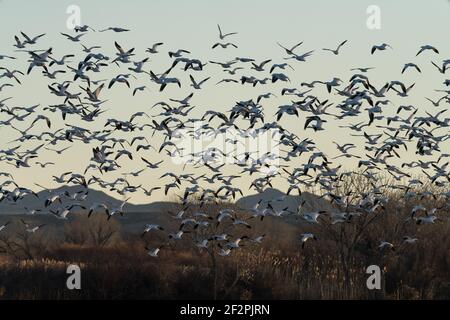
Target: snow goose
(2, 56)
(280, 66)
(178, 235)
(115, 29)
(197, 85)
(150, 227)
(302, 57)
(118, 210)
(177, 54)
(426, 220)
(97, 206)
(312, 217)
(411, 65)
(363, 70)
(73, 38)
(19, 44)
(260, 67)
(29, 40)
(6, 85)
(121, 78)
(153, 252)
(83, 28)
(139, 89)
(409, 240)
(386, 245)
(305, 237)
(258, 239)
(441, 70)
(336, 51)
(203, 244)
(380, 47)
(427, 47)
(222, 35)
(235, 244)
(224, 252)
(3, 226)
(224, 45)
(154, 47)
(30, 229)
(290, 51)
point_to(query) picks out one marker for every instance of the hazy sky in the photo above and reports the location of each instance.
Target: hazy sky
(191, 25)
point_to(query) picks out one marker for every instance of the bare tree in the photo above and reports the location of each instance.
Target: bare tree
(96, 230)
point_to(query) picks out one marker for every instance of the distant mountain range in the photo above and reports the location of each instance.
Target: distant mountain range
(279, 200)
(313, 202)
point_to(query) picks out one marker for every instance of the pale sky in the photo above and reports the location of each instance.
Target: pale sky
(191, 25)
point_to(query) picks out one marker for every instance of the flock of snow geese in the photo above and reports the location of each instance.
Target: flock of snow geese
(74, 78)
